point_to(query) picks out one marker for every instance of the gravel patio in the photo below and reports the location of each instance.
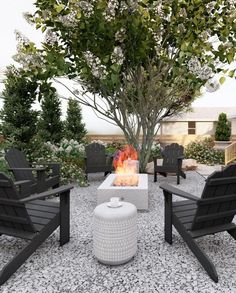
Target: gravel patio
(157, 266)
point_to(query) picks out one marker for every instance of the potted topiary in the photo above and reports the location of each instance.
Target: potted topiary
(223, 132)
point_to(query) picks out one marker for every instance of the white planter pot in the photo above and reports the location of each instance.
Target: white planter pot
(221, 145)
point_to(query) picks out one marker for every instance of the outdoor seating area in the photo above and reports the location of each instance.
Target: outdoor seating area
(117, 146)
(156, 266)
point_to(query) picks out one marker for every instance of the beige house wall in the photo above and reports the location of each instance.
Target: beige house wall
(205, 128)
(181, 128)
(233, 126)
(174, 128)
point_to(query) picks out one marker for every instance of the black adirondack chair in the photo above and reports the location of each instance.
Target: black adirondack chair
(96, 159)
(23, 171)
(172, 162)
(210, 214)
(31, 218)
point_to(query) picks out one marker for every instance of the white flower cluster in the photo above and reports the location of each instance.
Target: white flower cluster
(181, 28)
(67, 146)
(183, 13)
(205, 35)
(157, 36)
(68, 20)
(212, 85)
(28, 59)
(201, 71)
(46, 14)
(123, 6)
(21, 39)
(99, 142)
(50, 37)
(133, 5)
(117, 56)
(210, 6)
(157, 8)
(29, 18)
(120, 35)
(110, 11)
(98, 70)
(86, 7)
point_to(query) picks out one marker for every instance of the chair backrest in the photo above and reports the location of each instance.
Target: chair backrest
(218, 201)
(95, 157)
(17, 159)
(171, 153)
(12, 215)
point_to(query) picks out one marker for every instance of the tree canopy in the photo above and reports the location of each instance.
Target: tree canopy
(142, 60)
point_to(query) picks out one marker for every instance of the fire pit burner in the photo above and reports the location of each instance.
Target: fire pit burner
(137, 195)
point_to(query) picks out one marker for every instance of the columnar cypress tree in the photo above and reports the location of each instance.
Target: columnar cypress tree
(222, 128)
(19, 120)
(74, 128)
(50, 125)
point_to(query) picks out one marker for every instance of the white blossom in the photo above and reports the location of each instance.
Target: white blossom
(212, 85)
(86, 7)
(210, 6)
(98, 70)
(123, 6)
(28, 17)
(133, 5)
(69, 149)
(68, 20)
(28, 59)
(117, 56)
(181, 28)
(110, 11)
(120, 35)
(99, 142)
(50, 37)
(21, 39)
(183, 13)
(201, 71)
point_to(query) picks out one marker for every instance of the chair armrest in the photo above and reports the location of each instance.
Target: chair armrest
(54, 166)
(180, 158)
(28, 169)
(23, 187)
(21, 182)
(173, 190)
(42, 195)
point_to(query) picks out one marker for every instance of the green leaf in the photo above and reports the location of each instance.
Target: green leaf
(59, 7)
(222, 80)
(230, 57)
(231, 73)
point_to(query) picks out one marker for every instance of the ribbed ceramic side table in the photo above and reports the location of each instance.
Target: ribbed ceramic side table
(115, 233)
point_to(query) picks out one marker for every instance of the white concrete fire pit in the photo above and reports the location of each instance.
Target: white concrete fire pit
(137, 195)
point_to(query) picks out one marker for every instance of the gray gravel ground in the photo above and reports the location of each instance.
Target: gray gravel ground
(157, 266)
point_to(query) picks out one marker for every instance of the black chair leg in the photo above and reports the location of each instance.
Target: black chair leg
(232, 233)
(200, 255)
(155, 176)
(168, 217)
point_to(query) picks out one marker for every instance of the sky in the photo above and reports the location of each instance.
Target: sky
(11, 19)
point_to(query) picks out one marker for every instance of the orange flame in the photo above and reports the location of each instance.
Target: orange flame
(126, 166)
(128, 152)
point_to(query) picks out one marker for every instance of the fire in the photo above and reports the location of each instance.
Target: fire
(126, 166)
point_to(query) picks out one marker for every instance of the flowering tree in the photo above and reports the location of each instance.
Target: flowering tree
(137, 61)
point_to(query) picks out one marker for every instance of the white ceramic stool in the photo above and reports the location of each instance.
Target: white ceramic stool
(115, 232)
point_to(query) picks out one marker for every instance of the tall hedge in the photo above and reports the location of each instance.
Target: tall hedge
(74, 127)
(19, 119)
(223, 131)
(50, 126)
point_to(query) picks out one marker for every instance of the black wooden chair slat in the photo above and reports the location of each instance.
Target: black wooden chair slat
(214, 213)
(96, 159)
(33, 221)
(172, 162)
(23, 171)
